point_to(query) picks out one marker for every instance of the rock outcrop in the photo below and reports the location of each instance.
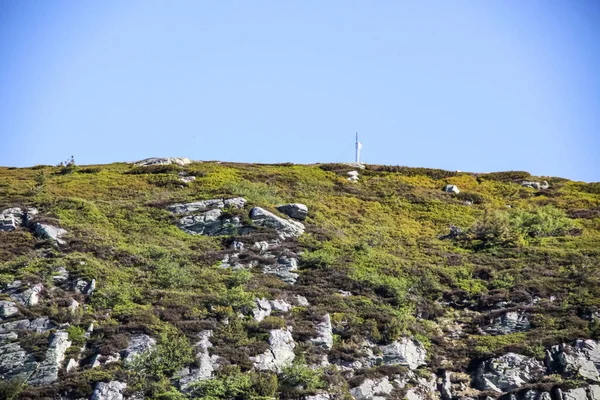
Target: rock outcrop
(181, 161)
(285, 228)
(138, 344)
(373, 389)
(451, 189)
(47, 371)
(109, 391)
(325, 334)
(580, 359)
(535, 185)
(206, 363)
(7, 309)
(12, 218)
(508, 372)
(49, 232)
(294, 210)
(509, 322)
(406, 351)
(280, 353)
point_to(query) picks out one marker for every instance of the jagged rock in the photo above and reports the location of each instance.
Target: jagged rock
(15, 362)
(279, 355)
(536, 185)
(138, 344)
(12, 218)
(262, 309)
(423, 388)
(373, 389)
(181, 161)
(41, 324)
(509, 322)
(300, 301)
(84, 287)
(261, 247)
(593, 392)
(406, 351)
(71, 365)
(29, 297)
(109, 391)
(73, 306)
(444, 385)
(48, 370)
(508, 372)
(281, 306)
(582, 358)
(187, 179)
(295, 210)
(204, 205)
(451, 189)
(206, 363)
(284, 269)
(46, 231)
(325, 338)
(7, 337)
(286, 228)
(7, 309)
(572, 394)
(353, 176)
(212, 223)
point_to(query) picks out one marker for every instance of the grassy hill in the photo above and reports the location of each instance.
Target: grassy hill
(376, 256)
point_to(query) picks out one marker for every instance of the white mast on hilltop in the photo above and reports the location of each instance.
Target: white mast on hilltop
(358, 147)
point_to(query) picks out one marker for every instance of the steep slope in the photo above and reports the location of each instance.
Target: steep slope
(188, 280)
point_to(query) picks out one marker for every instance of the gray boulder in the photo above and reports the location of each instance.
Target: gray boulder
(509, 322)
(325, 334)
(451, 189)
(535, 185)
(47, 371)
(50, 232)
(572, 394)
(294, 210)
(181, 161)
(582, 358)
(318, 396)
(536, 395)
(353, 176)
(84, 287)
(286, 228)
(406, 351)
(12, 218)
(109, 391)
(508, 372)
(280, 353)
(262, 309)
(7, 309)
(212, 223)
(138, 344)
(373, 389)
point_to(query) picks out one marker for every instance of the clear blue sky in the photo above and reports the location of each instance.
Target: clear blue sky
(470, 85)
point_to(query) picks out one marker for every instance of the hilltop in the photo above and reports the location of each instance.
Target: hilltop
(171, 279)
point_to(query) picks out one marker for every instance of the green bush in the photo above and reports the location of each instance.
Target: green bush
(300, 375)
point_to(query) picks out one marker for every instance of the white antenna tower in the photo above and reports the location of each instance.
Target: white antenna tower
(358, 147)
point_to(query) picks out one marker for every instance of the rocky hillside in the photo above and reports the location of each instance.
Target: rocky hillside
(169, 279)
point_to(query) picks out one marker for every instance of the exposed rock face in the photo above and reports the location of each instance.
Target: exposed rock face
(109, 391)
(207, 363)
(264, 308)
(204, 205)
(286, 228)
(15, 362)
(28, 297)
(406, 351)
(206, 217)
(536, 185)
(319, 396)
(295, 210)
(353, 176)
(284, 269)
(48, 370)
(181, 161)
(582, 358)
(509, 322)
(508, 372)
(373, 389)
(423, 388)
(50, 232)
(280, 354)
(12, 218)
(536, 395)
(85, 287)
(325, 338)
(451, 189)
(300, 301)
(7, 309)
(39, 325)
(138, 344)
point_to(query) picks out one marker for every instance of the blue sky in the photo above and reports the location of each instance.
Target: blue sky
(471, 85)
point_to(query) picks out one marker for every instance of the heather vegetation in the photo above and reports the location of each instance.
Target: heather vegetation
(384, 240)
